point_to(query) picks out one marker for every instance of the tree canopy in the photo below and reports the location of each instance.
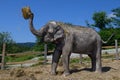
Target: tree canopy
(101, 20)
(108, 24)
(11, 46)
(116, 17)
(5, 38)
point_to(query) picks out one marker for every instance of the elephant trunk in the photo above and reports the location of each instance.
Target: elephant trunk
(27, 14)
(32, 29)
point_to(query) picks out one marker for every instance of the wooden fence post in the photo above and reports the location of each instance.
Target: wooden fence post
(45, 53)
(3, 56)
(80, 59)
(116, 47)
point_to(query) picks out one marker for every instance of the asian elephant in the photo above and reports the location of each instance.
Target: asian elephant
(73, 39)
(69, 38)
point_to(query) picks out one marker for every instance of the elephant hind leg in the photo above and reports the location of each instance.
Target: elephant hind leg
(98, 62)
(98, 58)
(93, 61)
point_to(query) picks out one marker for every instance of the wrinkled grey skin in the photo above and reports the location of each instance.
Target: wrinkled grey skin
(74, 39)
(70, 39)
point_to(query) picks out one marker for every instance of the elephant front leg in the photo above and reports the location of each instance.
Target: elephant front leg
(55, 60)
(65, 59)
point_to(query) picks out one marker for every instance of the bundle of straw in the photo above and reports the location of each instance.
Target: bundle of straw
(26, 12)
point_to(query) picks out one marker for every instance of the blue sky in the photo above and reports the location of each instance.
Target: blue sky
(72, 11)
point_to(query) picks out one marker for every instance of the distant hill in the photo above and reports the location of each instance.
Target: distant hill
(27, 44)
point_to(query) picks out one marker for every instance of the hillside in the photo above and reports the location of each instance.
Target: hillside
(27, 44)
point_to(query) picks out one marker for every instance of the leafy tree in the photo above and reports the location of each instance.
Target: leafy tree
(101, 20)
(5, 38)
(11, 46)
(106, 33)
(16, 48)
(116, 18)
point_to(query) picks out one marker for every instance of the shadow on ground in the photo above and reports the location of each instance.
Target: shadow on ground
(104, 69)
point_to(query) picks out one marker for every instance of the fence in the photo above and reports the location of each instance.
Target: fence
(46, 52)
(116, 47)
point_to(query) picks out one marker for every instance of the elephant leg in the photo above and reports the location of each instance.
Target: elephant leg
(66, 52)
(98, 60)
(55, 60)
(65, 60)
(93, 61)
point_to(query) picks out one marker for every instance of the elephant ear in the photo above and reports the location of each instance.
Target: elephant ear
(59, 34)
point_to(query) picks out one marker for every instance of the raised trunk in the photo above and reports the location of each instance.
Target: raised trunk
(32, 29)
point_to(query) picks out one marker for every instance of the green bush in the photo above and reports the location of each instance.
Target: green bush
(106, 33)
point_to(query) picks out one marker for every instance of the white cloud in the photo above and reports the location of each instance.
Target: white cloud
(111, 15)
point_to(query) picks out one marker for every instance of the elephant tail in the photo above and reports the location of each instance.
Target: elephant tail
(108, 39)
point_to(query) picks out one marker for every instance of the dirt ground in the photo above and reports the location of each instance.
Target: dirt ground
(110, 71)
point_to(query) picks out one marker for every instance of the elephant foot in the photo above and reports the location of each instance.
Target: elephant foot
(66, 74)
(98, 71)
(92, 69)
(53, 73)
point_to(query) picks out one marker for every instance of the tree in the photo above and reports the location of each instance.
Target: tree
(116, 17)
(106, 33)
(101, 20)
(5, 38)
(17, 48)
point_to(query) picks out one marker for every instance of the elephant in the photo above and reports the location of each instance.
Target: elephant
(69, 39)
(73, 39)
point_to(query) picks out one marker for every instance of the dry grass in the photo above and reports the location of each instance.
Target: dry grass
(26, 12)
(111, 71)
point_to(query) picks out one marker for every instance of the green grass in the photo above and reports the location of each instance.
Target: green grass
(19, 58)
(77, 60)
(87, 59)
(41, 58)
(29, 56)
(106, 56)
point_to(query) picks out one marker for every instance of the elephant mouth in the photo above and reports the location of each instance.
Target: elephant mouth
(58, 40)
(52, 40)
(48, 40)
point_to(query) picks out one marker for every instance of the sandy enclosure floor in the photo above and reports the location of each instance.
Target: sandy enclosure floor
(110, 68)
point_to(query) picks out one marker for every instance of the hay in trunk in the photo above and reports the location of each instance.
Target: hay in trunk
(26, 12)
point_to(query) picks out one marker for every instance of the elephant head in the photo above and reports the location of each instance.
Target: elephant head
(54, 32)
